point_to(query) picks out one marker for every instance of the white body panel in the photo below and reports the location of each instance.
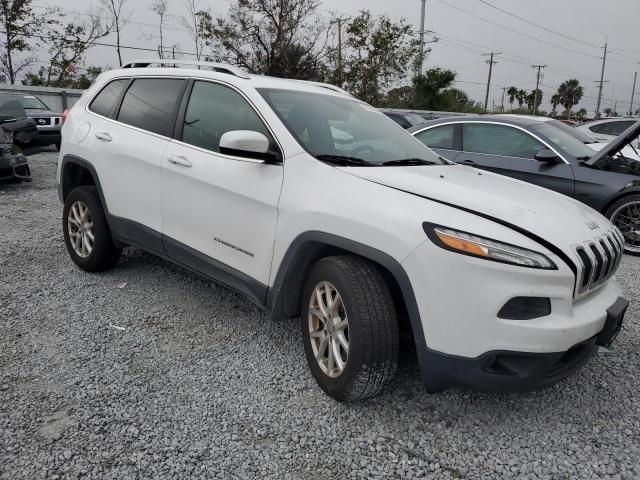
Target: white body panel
(213, 202)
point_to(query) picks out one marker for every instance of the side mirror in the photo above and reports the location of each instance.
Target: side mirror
(547, 156)
(249, 144)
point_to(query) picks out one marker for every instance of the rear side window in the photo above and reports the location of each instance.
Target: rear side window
(104, 101)
(151, 104)
(214, 110)
(439, 137)
(611, 128)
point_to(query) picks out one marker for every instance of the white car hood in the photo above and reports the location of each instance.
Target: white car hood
(551, 216)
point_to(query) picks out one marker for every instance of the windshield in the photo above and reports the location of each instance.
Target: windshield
(565, 141)
(583, 137)
(339, 128)
(29, 102)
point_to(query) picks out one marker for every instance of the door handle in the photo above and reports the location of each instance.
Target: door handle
(179, 160)
(469, 162)
(104, 136)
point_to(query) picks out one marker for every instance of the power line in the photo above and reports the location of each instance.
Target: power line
(568, 37)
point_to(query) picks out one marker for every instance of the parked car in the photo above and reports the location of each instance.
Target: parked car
(606, 129)
(48, 122)
(405, 119)
(13, 164)
(14, 120)
(503, 286)
(540, 152)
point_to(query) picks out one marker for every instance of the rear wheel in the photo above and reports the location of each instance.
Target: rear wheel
(625, 214)
(86, 232)
(349, 328)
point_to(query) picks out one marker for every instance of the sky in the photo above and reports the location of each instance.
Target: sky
(565, 35)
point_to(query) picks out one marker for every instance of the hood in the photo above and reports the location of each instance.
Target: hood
(627, 151)
(554, 217)
(624, 139)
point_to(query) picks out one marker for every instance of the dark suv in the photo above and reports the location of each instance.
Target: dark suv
(47, 121)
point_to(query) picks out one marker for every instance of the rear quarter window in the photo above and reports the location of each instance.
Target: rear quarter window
(105, 100)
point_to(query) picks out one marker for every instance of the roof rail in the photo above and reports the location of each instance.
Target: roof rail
(328, 86)
(218, 67)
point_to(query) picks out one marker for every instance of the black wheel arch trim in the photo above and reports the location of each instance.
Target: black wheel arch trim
(625, 192)
(297, 254)
(73, 159)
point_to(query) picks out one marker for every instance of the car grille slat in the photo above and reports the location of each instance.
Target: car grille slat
(599, 259)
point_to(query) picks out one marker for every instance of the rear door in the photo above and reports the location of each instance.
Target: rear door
(510, 151)
(442, 139)
(129, 149)
(220, 211)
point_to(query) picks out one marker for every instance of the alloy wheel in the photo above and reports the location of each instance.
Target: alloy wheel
(80, 228)
(627, 219)
(329, 329)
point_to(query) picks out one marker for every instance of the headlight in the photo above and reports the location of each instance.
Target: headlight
(476, 246)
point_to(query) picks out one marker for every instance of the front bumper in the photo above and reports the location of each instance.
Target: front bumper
(16, 169)
(508, 371)
(48, 137)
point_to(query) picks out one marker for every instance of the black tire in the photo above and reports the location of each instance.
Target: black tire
(372, 327)
(611, 211)
(104, 254)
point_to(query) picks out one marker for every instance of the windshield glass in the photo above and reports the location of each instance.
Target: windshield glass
(330, 126)
(29, 102)
(566, 142)
(583, 137)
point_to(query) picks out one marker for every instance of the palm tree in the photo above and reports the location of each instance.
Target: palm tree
(555, 101)
(521, 97)
(570, 93)
(513, 93)
(534, 99)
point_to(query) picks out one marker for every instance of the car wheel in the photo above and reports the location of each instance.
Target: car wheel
(625, 214)
(349, 328)
(86, 232)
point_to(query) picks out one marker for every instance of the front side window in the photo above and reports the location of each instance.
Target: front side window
(500, 140)
(106, 99)
(214, 110)
(438, 137)
(151, 104)
(330, 126)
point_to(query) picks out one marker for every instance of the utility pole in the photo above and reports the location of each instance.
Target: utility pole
(422, 32)
(339, 69)
(535, 99)
(602, 81)
(633, 93)
(490, 62)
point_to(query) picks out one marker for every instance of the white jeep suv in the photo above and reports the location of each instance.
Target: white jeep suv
(315, 205)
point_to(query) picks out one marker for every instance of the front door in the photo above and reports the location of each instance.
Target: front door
(220, 212)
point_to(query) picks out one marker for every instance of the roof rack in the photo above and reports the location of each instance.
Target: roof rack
(218, 67)
(328, 86)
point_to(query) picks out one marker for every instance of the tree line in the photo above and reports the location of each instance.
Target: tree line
(376, 58)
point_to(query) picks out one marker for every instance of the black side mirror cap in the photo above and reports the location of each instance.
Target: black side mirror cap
(547, 156)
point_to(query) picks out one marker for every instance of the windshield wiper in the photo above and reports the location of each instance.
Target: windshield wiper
(343, 160)
(408, 162)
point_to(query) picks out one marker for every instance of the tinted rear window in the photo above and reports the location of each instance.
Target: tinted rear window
(151, 103)
(104, 101)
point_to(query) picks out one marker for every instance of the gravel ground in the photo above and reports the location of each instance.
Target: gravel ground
(149, 371)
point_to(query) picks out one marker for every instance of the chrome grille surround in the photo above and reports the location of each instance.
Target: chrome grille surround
(598, 260)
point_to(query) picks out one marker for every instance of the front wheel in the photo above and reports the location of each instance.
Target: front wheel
(349, 328)
(625, 214)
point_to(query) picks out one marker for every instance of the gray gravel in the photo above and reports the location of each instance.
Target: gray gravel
(149, 371)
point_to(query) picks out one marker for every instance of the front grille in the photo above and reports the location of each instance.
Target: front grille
(599, 260)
